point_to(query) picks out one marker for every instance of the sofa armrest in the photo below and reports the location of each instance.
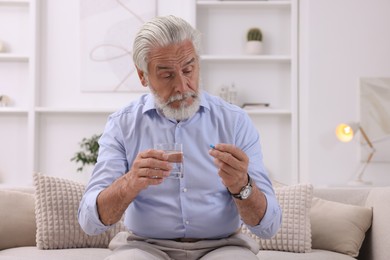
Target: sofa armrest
(376, 244)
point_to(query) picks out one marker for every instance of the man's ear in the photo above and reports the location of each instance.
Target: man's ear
(142, 77)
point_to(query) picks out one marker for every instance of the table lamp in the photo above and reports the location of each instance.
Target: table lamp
(345, 133)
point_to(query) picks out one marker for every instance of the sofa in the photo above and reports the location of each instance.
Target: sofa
(40, 222)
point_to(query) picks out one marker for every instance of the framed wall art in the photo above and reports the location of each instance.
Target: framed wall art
(375, 115)
(107, 31)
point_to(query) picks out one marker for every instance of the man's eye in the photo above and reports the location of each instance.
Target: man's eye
(167, 75)
(187, 71)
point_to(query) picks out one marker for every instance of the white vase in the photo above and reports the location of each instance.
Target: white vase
(254, 47)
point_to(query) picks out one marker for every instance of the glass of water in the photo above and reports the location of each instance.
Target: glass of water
(175, 157)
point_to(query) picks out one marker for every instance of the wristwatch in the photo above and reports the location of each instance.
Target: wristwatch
(245, 192)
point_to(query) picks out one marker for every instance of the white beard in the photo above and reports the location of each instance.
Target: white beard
(181, 113)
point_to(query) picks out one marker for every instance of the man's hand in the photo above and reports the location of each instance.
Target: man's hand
(232, 166)
(233, 169)
(149, 168)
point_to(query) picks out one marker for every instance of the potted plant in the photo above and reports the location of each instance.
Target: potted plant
(254, 44)
(88, 153)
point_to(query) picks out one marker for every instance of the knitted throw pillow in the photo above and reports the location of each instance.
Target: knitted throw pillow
(294, 234)
(56, 206)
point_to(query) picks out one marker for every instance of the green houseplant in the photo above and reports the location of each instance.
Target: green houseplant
(88, 153)
(254, 44)
(254, 34)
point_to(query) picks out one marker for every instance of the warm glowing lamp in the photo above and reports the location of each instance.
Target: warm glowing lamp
(345, 133)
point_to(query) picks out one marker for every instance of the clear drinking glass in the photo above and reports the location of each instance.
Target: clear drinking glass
(175, 157)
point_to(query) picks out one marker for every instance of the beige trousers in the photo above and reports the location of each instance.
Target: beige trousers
(126, 246)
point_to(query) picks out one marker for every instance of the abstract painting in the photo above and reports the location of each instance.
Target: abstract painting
(375, 116)
(107, 31)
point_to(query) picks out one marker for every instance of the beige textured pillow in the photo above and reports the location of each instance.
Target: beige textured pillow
(57, 202)
(17, 219)
(295, 232)
(339, 227)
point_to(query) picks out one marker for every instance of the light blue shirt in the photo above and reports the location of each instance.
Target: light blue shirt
(195, 206)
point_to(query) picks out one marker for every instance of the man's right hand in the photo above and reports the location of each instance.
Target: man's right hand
(150, 167)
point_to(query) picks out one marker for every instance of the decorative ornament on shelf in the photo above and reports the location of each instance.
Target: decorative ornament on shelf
(254, 44)
(345, 133)
(88, 153)
(2, 46)
(229, 94)
(5, 101)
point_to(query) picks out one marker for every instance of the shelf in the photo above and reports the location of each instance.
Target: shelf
(13, 110)
(278, 58)
(13, 57)
(225, 61)
(267, 111)
(14, 2)
(244, 3)
(74, 110)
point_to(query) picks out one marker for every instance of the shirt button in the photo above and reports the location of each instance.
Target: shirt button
(187, 222)
(185, 190)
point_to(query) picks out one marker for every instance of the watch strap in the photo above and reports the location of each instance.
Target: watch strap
(238, 195)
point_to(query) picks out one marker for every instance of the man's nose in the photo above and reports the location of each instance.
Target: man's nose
(180, 83)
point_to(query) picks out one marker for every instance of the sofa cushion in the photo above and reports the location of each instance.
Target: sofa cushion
(56, 207)
(295, 232)
(17, 219)
(34, 253)
(339, 227)
(315, 254)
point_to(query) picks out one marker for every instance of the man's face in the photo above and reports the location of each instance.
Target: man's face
(173, 78)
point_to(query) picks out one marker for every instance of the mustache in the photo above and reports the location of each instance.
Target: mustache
(181, 97)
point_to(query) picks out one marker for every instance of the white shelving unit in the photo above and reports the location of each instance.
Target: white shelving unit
(49, 114)
(18, 67)
(13, 57)
(267, 78)
(76, 110)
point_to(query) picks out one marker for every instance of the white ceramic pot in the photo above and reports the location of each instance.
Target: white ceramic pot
(254, 47)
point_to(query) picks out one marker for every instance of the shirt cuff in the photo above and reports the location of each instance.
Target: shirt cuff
(89, 216)
(271, 221)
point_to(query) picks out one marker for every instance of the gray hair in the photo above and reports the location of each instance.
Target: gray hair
(160, 32)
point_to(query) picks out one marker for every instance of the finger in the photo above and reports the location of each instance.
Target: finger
(154, 173)
(231, 149)
(152, 153)
(225, 169)
(224, 158)
(144, 182)
(155, 181)
(153, 163)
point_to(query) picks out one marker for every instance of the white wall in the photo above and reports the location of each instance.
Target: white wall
(341, 41)
(60, 86)
(60, 60)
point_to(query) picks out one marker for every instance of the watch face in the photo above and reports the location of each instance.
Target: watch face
(246, 192)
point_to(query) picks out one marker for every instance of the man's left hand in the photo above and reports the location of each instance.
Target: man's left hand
(232, 165)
